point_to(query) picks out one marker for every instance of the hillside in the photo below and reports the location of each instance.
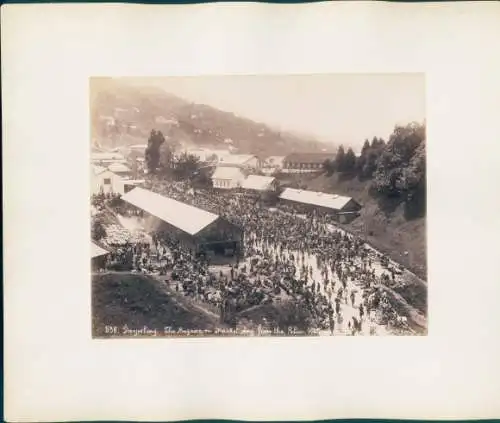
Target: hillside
(122, 114)
(137, 301)
(385, 223)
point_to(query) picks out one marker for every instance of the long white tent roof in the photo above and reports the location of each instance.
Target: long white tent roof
(97, 251)
(331, 201)
(183, 216)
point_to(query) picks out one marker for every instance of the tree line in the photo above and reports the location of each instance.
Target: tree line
(396, 168)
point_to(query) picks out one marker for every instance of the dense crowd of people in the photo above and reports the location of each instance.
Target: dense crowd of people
(337, 281)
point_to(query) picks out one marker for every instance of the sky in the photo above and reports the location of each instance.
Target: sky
(338, 108)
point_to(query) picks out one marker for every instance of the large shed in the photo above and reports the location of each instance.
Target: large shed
(196, 229)
(341, 207)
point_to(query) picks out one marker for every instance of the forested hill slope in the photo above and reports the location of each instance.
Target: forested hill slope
(123, 114)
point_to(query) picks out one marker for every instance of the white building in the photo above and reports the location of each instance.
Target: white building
(227, 177)
(105, 181)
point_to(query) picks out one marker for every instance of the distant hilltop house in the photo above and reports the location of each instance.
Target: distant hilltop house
(306, 162)
(344, 209)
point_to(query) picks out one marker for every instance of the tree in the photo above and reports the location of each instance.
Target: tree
(98, 231)
(401, 164)
(340, 159)
(349, 161)
(360, 163)
(329, 167)
(155, 140)
(166, 156)
(369, 164)
(366, 147)
(187, 166)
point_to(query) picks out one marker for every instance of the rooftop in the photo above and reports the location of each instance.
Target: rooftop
(331, 201)
(118, 167)
(222, 172)
(257, 182)
(96, 251)
(183, 216)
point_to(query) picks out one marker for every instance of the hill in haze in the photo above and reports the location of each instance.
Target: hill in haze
(123, 115)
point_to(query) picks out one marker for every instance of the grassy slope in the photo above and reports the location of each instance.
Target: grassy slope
(138, 301)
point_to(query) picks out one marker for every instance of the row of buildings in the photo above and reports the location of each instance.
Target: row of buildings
(294, 162)
(208, 233)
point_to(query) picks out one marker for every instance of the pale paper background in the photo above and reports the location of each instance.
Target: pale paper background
(55, 371)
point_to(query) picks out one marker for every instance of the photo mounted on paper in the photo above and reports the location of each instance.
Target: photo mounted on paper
(290, 205)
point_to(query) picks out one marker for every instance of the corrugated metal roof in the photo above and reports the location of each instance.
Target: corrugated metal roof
(97, 251)
(118, 167)
(331, 201)
(183, 216)
(230, 173)
(257, 182)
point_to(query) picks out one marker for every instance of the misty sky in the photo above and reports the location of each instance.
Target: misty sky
(340, 108)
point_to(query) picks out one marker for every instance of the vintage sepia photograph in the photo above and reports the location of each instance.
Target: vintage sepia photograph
(258, 205)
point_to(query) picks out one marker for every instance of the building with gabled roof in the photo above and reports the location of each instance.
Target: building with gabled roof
(306, 161)
(259, 183)
(196, 229)
(343, 208)
(227, 177)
